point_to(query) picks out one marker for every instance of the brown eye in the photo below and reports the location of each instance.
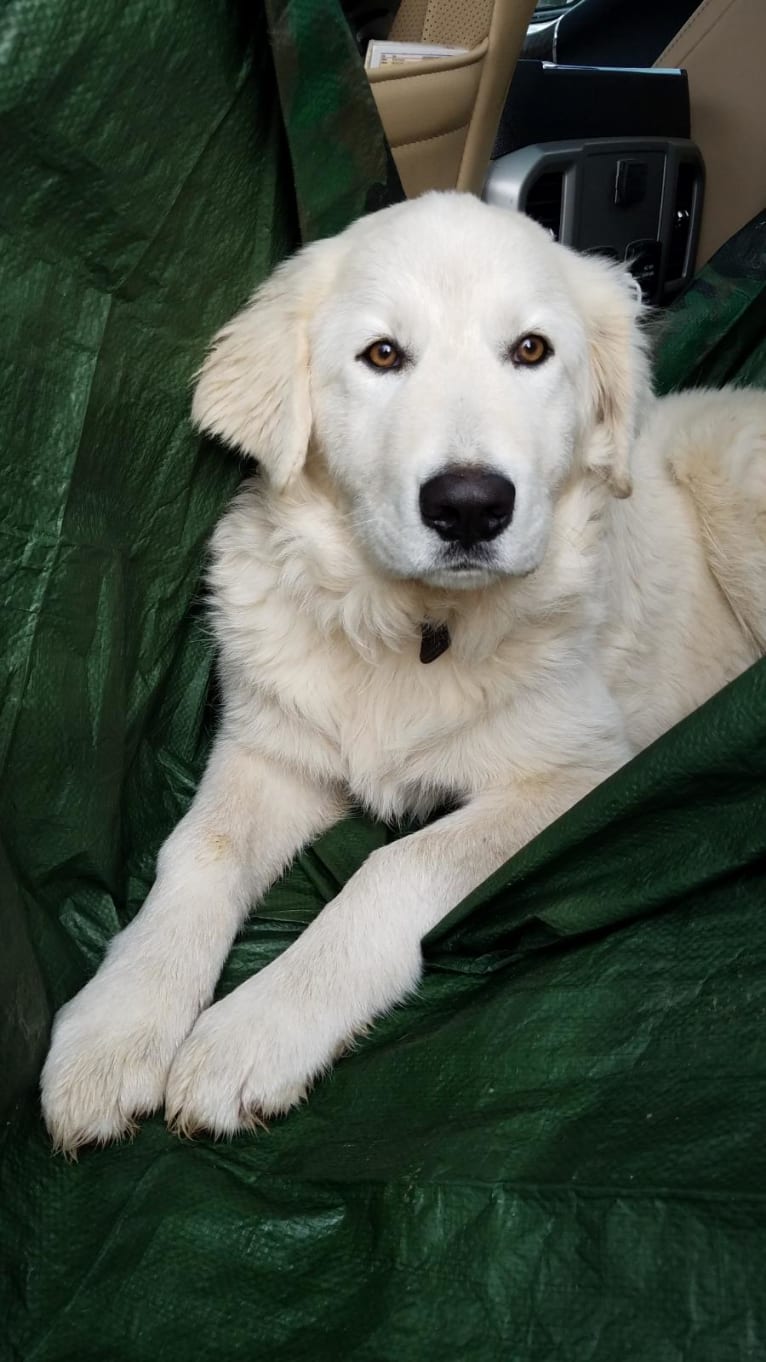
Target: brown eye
(382, 354)
(530, 349)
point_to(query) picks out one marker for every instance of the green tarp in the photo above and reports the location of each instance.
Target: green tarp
(556, 1150)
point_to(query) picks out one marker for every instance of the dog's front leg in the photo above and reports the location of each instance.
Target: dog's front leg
(113, 1044)
(255, 1053)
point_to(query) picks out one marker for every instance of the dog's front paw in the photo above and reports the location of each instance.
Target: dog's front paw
(256, 1053)
(111, 1049)
(252, 1056)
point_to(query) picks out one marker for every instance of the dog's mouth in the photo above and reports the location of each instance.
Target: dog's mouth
(456, 559)
(474, 570)
(466, 571)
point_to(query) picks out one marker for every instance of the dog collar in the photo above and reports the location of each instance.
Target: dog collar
(434, 640)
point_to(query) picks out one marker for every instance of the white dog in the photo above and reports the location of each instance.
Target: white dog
(441, 591)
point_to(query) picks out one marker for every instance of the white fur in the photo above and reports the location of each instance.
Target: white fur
(591, 625)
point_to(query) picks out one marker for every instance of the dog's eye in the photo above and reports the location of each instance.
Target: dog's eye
(531, 349)
(382, 354)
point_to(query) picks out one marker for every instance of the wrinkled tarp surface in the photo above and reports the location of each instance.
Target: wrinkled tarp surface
(554, 1152)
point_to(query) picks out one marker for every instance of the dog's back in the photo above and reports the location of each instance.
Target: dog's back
(684, 572)
(718, 453)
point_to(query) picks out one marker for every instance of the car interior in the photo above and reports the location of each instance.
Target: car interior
(633, 129)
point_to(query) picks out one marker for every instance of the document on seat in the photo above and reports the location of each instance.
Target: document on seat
(381, 52)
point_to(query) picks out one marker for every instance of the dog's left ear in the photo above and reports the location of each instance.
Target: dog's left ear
(253, 388)
(620, 376)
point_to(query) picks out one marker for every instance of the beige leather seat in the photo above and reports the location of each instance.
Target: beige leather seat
(441, 119)
(723, 48)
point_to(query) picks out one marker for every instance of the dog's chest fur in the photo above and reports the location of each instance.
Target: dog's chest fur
(322, 672)
(403, 737)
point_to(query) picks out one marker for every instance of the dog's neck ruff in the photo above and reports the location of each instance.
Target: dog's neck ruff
(304, 544)
(434, 640)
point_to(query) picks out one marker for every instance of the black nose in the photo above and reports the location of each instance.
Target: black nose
(467, 505)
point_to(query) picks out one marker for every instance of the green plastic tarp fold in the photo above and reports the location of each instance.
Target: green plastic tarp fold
(554, 1151)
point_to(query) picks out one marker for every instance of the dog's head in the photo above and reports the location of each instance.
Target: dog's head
(453, 368)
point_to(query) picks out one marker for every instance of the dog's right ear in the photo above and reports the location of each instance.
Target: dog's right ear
(253, 388)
